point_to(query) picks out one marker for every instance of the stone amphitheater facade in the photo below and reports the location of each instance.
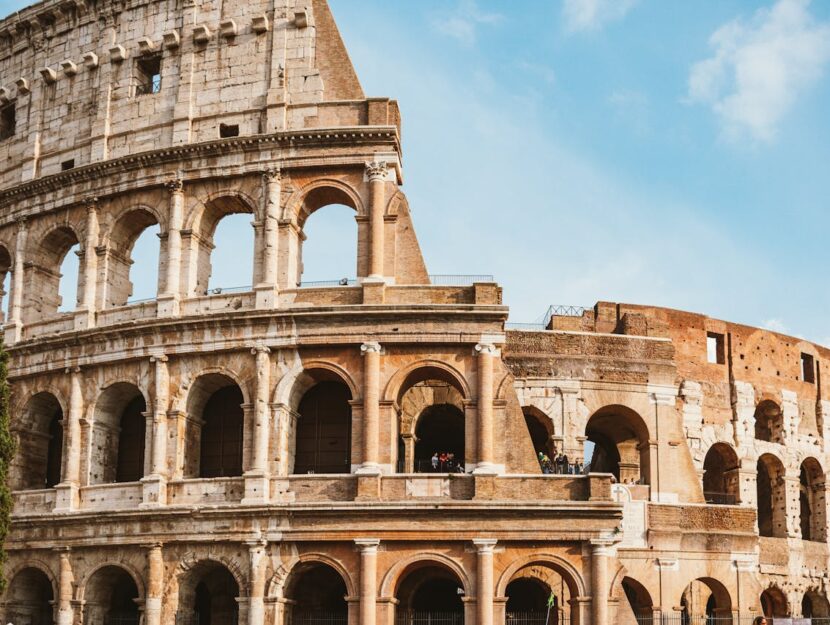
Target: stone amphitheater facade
(266, 456)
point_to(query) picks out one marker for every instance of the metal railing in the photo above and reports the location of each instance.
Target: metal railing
(429, 618)
(224, 290)
(558, 310)
(316, 617)
(450, 466)
(459, 279)
(536, 617)
(526, 327)
(318, 284)
(118, 619)
(721, 499)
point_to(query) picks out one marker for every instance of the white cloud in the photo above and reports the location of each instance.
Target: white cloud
(585, 15)
(760, 67)
(778, 325)
(462, 23)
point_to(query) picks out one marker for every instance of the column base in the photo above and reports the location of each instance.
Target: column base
(67, 497)
(167, 305)
(488, 468)
(257, 489)
(369, 468)
(154, 491)
(265, 296)
(65, 616)
(12, 332)
(152, 611)
(374, 290)
(84, 318)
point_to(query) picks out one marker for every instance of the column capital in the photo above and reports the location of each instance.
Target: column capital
(377, 170)
(371, 347)
(272, 174)
(73, 369)
(485, 545)
(260, 349)
(155, 546)
(367, 545)
(176, 185)
(603, 546)
(91, 203)
(487, 348)
(22, 222)
(159, 358)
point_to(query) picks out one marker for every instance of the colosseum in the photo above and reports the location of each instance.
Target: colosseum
(380, 451)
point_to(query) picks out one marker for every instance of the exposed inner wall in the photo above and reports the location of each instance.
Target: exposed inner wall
(73, 74)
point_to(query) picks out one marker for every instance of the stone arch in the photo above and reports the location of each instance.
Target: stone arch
(118, 434)
(319, 193)
(706, 597)
(576, 584)
(423, 370)
(769, 422)
(215, 427)
(621, 440)
(295, 383)
(814, 604)
(43, 271)
(276, 585)
(771, 497)
(639, 599)
(721, 483)
(30, 595)
(83, 581)
(392, 578)
(540, 429)
(812, 500)
(119, 241)
(212, 583)
(324, 428)
(774, 602)
(39, 431)
(198, 236)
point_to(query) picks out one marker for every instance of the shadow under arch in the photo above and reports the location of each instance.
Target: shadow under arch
(206, 588)
(293, 385)
(118, 429)
(277, 583)
(423, 370)
(621, 440)
(30, 595)
(707, 597)
(37, 463)
(393, 577)
(721, 482)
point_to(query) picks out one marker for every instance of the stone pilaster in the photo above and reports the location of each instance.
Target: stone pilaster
(168, 301)
(67, 491)
(376, 173)
(485, 592)
(155, 585)
(601, 551)
(371, 407)
(155, 484)
(14, 324)
(256, 478)
(85, 315)
(485, 463)
(256, 603)
(368, 579)
(266, 290)
(66, 580)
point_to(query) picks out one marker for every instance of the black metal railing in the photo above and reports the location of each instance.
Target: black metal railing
(316, 617)
(449, 466)
(429, 618)
(121, 619)
(721, 499)
(319, 284)
(536, 617)
(559, 310)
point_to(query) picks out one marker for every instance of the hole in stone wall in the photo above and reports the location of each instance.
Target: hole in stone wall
(808, 368)
(8, 121)
(228, 130)
(148, 75)
(66, 165)
(715, 352)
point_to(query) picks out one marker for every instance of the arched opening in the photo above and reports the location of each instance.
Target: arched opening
(429, 593)
(53, 277)
(324, 428)
(771, 497)
(215, 428)
(774, 603)
(621, 445)
(29, 599)
(328, 247)
(118, 435)
(769, 423)
(815, 605)
(706, 600)
(111, 597)
(133, 241)
(5, 282)
(538, 594)
(39, 431)
(317, 595)
(638, 602)
(812, 500)
(439, 435)
(431, 422)
(540, 429)
(208, 595)
(222, 247)
(720, 475)
(327, 242)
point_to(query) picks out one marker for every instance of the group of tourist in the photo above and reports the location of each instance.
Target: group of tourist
(560, 465)
(445, 462)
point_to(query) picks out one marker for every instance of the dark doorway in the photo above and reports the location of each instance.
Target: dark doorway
(54, 454)
(131, 439)
(221, 445)
(208, 596)
(318, 593)
(112, 597)
(527, 603)
(430, 595)
(440, 429)
(324, 430)
(29, 598)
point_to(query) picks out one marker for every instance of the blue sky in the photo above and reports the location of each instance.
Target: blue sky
(660, 152)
